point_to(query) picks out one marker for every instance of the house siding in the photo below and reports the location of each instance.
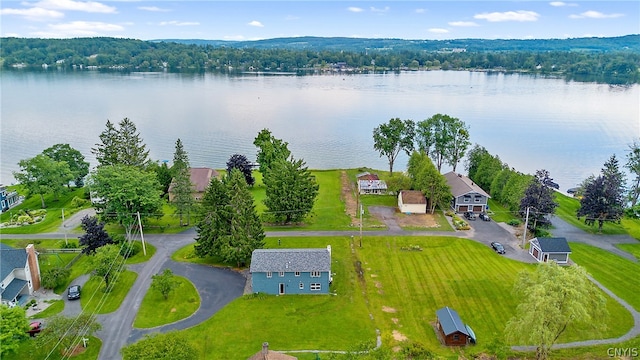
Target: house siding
(459, 204)
(261, 283)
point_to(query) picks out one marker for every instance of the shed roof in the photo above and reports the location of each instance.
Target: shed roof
(450, 321)
(413, 197)
(552, 245)
(462, 185)
(367, 176)
(11, 259)
(288, 260)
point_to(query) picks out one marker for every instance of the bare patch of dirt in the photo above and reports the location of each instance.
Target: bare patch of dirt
(374, 275)
(388, 309)
(347, 195)
(378, 284)
(174, 310)
(396, 349)
(395, 320)
(416, 220)
(398, 336)
(77, 350)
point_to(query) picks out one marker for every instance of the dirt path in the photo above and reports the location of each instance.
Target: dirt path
(347, 194)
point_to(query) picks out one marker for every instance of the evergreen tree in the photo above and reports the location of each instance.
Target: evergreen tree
(182, 187)
(603, 198)
(95, 235)
(241, 163)
(633, 164)
(291, 190)
(121, 146)
(214, 220)
(539, 199)
(270, 150)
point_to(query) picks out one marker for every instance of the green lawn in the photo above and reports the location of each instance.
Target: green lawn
(156, 311)
(95, 300)
(52, 220)
(28, 351)
(567, 209)
(55, 307)
(140, 256)
(400, 289)
(632, 226)
(616, 273)
(500, 213)
(631, 248)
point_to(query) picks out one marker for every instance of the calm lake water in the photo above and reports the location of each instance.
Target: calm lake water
(568, 128)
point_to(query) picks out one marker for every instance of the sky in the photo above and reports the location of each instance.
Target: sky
(254, 20)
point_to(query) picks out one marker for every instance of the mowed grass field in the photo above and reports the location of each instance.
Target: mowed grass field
(398, 293)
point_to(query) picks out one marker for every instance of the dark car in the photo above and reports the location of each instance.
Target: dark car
(34, 328)
(470, 215)
(484, 217)
(74, 292)
(498, 247)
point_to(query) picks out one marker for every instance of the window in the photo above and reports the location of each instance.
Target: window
(478, 198)
(269, 274)
(467, 198)
(301, 286)
(315, 274)
(281, 274)
(297, 273)
(456, 337)
(314, 287)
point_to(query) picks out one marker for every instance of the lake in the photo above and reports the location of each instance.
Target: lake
(568, 128)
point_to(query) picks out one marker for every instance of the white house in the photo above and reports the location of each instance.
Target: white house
(19, 273)
(545, 249)
(412, 202)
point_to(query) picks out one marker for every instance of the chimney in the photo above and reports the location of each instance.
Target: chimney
(34, 268)
(265, 348)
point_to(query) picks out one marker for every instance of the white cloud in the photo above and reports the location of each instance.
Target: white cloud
(420, 11)
(378, 10)
(438, 31)
(561, 3)
(591, 14)
(520, 15)
(255, 23)
(355, 9)
(179, 23)
(84, 6)
(78, 29)
(463, 23)
(34, 13)
(153, 9)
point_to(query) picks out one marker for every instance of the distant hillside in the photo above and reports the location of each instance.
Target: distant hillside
(592, 44)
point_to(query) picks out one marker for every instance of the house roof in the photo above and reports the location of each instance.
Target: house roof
(413, 197)
(11, 259)
(200, 178)
(450, 321)
(552, 245)
(13, 289)
(372, 184)
(462, 185)
(367, 176)
(288, 260)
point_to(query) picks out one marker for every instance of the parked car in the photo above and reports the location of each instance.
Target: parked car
(497, 247)
(73, 292)
(470, 215)
(484, 217)
(34, 328)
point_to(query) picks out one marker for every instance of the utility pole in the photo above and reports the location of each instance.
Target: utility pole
(526, 223)
(65, 228)
(361, 211)
(144, 248)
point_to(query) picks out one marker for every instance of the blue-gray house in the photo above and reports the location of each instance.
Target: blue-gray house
(291, 271)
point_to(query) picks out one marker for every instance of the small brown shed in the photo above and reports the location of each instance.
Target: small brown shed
(451, 330)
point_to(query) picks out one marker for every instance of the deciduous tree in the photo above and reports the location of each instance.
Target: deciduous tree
(108, 264)
(603, 198)
(444, 138)
(126, 191)
(168, 346)
(64, 152)
(270, 149)
(554, 299)
(13, 328)
(392, 137)
(182, 188)
(539, 199)
(426, 178)
(67, 332)
(164, 283)
(633, 165)
(291, 191)
(95, 235)
(42, 175)
(54, 277)
(240, 162)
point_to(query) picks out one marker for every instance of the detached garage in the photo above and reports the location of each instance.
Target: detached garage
(412, 202)
(451, 330)
(554, 249)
